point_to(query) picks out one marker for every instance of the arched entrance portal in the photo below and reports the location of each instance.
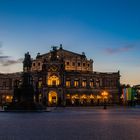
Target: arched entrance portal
(53, 99)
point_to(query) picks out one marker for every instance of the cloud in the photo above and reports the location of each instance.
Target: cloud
(119, 50)
(3, 57)
(7, 62)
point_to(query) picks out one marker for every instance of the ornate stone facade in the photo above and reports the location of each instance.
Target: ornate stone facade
(62, 77)
(68, 78)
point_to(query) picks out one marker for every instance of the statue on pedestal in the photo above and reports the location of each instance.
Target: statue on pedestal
(24, 93)
(27, 63)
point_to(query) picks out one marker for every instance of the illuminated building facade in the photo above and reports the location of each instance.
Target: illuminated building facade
(62, 77)
(66, 77)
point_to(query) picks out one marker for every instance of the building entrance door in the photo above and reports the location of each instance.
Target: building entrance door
(53, 99)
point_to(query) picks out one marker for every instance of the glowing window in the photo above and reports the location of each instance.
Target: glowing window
(91, 84)
(67, 83)
(84, 83)
(53, 81)
(53, 97)
(76, 83)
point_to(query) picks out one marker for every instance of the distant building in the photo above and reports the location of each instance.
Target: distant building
(62, 77)
(128, 95)
(137, 88)
(7, 86)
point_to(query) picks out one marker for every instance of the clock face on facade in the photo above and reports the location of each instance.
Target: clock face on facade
(53, 68)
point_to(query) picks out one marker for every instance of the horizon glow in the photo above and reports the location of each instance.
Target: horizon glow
(107, 31)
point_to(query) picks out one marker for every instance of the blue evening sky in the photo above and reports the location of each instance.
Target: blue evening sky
(108, 31)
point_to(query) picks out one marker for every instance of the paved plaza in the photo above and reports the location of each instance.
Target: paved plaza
(77, 123)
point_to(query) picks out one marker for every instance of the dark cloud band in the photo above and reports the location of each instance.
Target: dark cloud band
(119, 50)
(7, 62)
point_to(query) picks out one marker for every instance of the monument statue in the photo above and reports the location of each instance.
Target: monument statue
(27, 63)
(23, 98)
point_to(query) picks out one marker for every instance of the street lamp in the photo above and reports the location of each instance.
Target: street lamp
(105, 94)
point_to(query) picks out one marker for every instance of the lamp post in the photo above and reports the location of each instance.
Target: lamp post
(105, 94)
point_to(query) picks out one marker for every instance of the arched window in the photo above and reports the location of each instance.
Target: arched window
(53, 80)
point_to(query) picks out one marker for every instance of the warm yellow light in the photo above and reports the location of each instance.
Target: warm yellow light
(91, 84)
(67, 83)
(91, 96)
(83, 97)
(7, 97)
(104, 93)
(68, 96)
(53, 97)
(76, 83)
(98, 97)
(84, 84)
(53, 80)
(75, 96)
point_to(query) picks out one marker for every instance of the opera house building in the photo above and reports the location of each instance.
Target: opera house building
(62, 77)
